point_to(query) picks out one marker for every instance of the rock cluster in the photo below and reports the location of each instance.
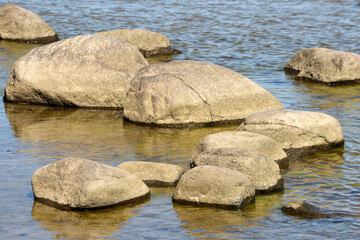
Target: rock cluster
(20, 25)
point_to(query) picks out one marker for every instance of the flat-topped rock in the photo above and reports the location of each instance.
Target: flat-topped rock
(325, 65)
(147, 42)
(297, 132)
(239, 144)
(75, 183)
(82, 71)
(20, 25)
(241, 152)
(214, 186)
(187, 93)
(154, 174)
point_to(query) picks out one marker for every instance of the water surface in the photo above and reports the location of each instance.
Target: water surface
(253, 37)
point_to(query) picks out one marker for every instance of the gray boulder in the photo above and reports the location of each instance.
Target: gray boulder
(325, 65)
(183, 93)
(214, 186)
(21, 25)
(82, 71)
(154, 174)
(297, 132)
(239, 144)
(147, 42)
(75, 183)
(242, 152)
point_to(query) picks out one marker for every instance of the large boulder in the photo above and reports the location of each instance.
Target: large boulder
(214, 186)
(258, 165)
(297, 132)
(154, 174)
(183, 93)
(21, 25)
(239, 144)
(75, 183)
(325, 65)
(82, 71)
(147, 42)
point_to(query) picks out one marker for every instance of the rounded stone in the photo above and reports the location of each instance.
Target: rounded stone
(21, 25)
(147, 42)
(214, 186)
(305, 210)
(75, 183)
(82, 71)
(186, 93)
(297, 132)
(238, 144)
(325, 65)
(154, 174)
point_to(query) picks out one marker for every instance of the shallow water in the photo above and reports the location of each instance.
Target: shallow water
(253, 37)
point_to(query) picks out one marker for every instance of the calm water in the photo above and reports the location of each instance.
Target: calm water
(253, 37)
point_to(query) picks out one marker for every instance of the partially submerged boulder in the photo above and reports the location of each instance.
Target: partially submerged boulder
(20, 25)
(186, 93)
(82, 71)
(305, 210)
(154, 174)
(325, 65)
(297, 132)
(147, 42)
(239, 144)
(214, 186)
(75, 183)
(261, 169)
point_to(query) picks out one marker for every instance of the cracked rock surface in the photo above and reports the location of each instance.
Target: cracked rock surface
(154, 174)
(182, 93)
(214, 186)
(21, 25)
(297, 132)
(82, 71)
(75, 183)
(147, 42)
(325, 65)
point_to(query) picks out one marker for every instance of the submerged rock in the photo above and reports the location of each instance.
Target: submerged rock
(214, 186)
(20, 25)
(82, 71)
(238, 145)
(186, 93)
(75, 183)
(325, 65)
(297, 132)
(154, 174)
(305, 210)
(147, 42)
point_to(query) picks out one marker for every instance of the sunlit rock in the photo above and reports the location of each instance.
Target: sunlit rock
(297, 132)
(75, 183)
(154, 174)
(214, 186)
(325, 65)
(236, 146)
(147, 42)
(82, 71)
(21, 25)
(186, 93)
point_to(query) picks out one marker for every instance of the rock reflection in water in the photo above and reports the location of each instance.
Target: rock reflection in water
(83, 224)
(52, 133)
(210, 223)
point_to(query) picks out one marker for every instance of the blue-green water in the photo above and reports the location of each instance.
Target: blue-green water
(253, 37)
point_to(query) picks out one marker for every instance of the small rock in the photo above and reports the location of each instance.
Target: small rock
(147, 42)
(20, 25)
(214, 186)
(154, 174)
(82, 71)
(325, 65)
(74, 183)
(188, 93)
(305, 210)
(297, 132)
